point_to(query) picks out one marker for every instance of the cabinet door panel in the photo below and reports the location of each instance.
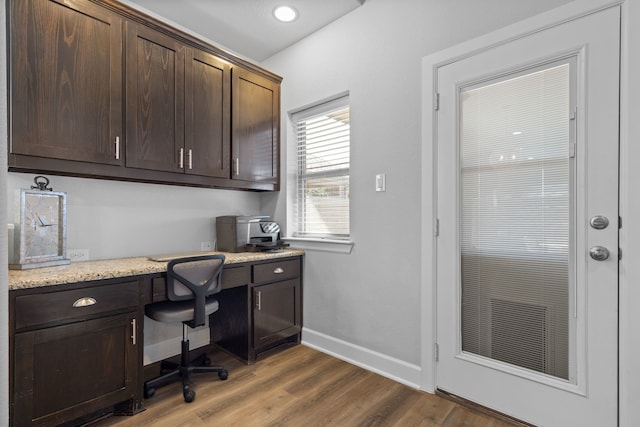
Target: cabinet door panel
(65, 80)
(276, 312)
(255, 127)
(66, 372)
(207, 115)
(155, 100)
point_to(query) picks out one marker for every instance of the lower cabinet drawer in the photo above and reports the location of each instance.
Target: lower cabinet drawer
(277, 270)
(42, 308)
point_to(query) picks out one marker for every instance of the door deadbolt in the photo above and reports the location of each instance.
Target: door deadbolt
(599, 222)
(599, 253)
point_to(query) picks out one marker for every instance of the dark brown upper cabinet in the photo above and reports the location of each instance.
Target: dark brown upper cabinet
(155, 100)
(101, 90)
(255, 127)
(178, 106)
(207, 115)
(65, 92)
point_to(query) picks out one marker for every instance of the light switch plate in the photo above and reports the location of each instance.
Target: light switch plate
(381, 182)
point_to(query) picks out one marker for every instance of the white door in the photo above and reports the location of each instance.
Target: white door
(527, 158)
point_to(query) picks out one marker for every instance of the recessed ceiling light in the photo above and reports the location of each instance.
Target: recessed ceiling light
(285, 13)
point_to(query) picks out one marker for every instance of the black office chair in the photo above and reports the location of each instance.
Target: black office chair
(190, 284)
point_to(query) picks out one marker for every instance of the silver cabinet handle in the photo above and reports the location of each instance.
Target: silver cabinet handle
(259, 300)
(84, 302)
(278, 270)
(599, 253)
(236, 166)
(133, 331)
(117, 148)
(181, 158)
(190, 157)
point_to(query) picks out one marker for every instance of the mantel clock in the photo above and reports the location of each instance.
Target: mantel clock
(41, 236)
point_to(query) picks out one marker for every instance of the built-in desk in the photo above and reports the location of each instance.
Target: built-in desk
(76, 331)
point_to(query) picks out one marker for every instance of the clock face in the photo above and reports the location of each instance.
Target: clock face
(43, 228)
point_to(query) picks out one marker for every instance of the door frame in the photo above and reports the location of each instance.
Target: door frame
(629, 341)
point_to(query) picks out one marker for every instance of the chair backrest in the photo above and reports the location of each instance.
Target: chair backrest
(195, 278)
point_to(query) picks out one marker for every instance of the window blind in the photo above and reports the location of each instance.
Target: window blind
(515, 235)
(322, 179)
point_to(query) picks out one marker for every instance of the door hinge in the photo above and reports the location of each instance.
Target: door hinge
(436, 227)
(573, 117)
(436, 101)
(619, 254)
(436, 352)
(619, 223)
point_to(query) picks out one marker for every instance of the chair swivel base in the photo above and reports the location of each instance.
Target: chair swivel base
(170, 371)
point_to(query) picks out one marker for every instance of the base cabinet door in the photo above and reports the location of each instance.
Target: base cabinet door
(67, 372)
(276, 313)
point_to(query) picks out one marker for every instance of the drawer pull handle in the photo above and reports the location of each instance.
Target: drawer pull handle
(84, 302)
(134, 337)
(278, 270)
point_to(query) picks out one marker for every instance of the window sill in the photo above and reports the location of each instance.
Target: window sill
(323, 245)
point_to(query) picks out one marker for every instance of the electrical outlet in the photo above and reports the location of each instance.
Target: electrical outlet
(78, 254)
(207, 246)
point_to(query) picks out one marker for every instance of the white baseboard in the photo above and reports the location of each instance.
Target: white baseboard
(397, 370)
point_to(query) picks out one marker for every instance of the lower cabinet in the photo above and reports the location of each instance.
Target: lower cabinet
(75, 354)
(276, 313)
(76, 350)
(263, 315)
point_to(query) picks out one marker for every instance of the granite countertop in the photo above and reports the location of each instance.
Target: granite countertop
(122, 267)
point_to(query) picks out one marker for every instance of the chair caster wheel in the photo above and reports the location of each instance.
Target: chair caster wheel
(223, 375)
(189, 395)
(149, 392)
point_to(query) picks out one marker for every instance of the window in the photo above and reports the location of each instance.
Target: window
(322, 175)
(516, 237)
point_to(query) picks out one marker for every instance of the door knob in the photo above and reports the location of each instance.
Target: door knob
(599, 253)
(599, 222)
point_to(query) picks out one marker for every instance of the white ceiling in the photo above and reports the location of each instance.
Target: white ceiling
(247, 27)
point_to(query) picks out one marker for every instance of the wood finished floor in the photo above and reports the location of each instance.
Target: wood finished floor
(300, 387)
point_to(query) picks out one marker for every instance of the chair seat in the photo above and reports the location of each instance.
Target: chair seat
(177, 311)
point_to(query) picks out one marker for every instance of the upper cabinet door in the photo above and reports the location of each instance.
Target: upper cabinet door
(207, 115)
(154, 100)
(255, 127)
(65, 81)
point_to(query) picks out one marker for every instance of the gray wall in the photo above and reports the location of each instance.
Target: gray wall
(370, 298)
(122, 219)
